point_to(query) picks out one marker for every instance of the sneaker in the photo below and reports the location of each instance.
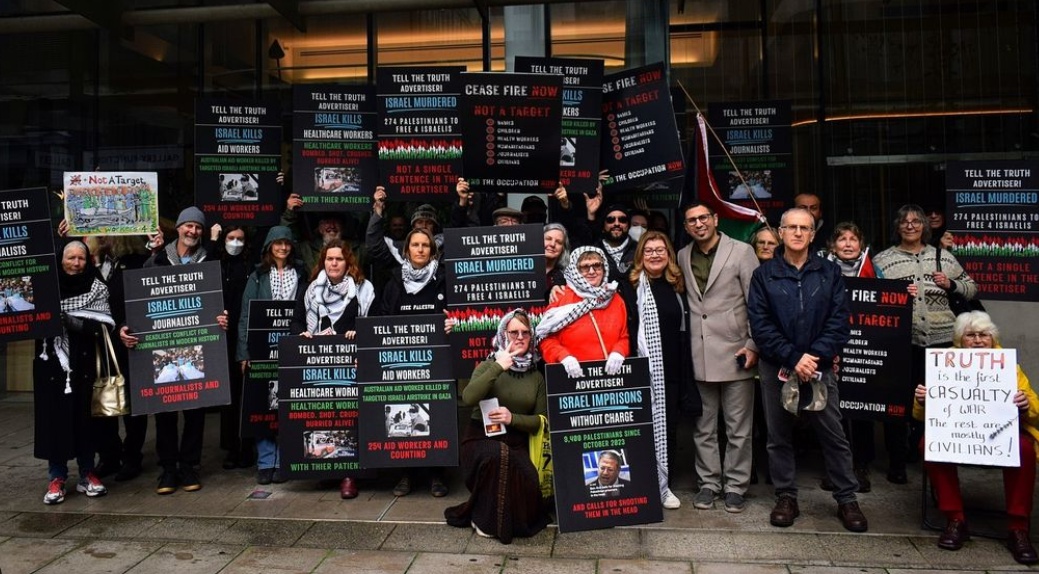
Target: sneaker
(55, 492)
(167, 482)
(671, 502)
(704, 500)
(91, 486)
(438, 489)
(479, 532)
(734, 503)
(189, 480)
(264, 476)
(403, 487)
(279, 477)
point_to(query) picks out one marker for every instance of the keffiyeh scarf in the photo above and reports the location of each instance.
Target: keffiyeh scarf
(521, 363)
(283, 283)
(649, 346)
(616, 253)
(323, 299)
(416, 279)
(556, 318)
(93, 306)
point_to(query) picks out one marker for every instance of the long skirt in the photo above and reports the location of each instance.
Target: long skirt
(505, 497)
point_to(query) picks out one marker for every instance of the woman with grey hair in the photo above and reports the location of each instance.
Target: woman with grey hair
(557, 254)
(975, 330)
(933, 276)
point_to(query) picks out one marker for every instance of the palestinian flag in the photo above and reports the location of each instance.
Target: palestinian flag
(734, 220)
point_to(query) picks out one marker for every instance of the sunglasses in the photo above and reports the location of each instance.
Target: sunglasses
(617, 219)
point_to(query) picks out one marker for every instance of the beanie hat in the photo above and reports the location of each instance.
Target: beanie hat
(277, 233)
(191, 215)
(617, 207)
(424, 211)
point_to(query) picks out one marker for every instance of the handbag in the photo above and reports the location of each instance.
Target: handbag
(109, 396)
(957, 302)
(541, 456)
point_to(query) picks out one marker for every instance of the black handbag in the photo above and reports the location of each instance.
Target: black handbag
(957, 302)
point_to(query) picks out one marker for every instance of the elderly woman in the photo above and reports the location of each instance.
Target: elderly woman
(933, 276)
(586, 322)
(557, 253)
(655, 301)
(279, 277)
(975, 330)
(63, 376)
(505, 495)
(337, 295)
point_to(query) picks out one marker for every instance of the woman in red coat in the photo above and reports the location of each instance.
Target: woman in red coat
(588, 321)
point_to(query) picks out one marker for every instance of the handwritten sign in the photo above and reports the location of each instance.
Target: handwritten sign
(971, 417)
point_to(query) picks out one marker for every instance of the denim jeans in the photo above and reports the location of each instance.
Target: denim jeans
(60, 468)
(267, 453)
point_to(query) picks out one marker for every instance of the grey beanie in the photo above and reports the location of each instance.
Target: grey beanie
(278, 232)
(191, 215)
(424, 211)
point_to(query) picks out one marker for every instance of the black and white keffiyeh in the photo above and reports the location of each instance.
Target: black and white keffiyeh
(416, 279)
(521, 363)
(323, 299)
(556, 318)
(649, 346)
(171, 253)
(92, 306)
(283, 283)
(617, 253)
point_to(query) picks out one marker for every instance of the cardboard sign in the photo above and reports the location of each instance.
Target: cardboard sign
(510, 132)
(408, 411)
(970, 416)
(180, 361)
(875, 359)
(30, 305)
(111, 202)
(993, 209)
(582, 116)
(420, 139)
(335, 165)
(602, 446)
(268, 323)
(317, 406)
(237, 159)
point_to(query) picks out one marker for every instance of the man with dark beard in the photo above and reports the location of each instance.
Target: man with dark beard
(618, 246)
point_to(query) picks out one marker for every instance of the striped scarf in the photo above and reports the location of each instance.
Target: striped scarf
(649, 346)
(93, 306)
(556, 318)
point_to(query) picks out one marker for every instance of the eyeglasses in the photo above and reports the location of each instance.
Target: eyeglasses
(798, 228)
(980, 335)
(518, 334)
(617, 219)
(700, 218)
(912, 223)
(654, 251)
(590, 268)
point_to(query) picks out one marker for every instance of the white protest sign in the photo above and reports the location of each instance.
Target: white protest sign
(971, 417)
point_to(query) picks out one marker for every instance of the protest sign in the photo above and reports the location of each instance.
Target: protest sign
(605, 464)
(875, 359)
(582, 116)
(237, 160)
(408, 412)
(510, 131)
(111, 202)
(317, 406)
(30, 305)
(268, 322)
(420, 140)
(335, 164)
(180, 361)
(970, 416)
(993, 209)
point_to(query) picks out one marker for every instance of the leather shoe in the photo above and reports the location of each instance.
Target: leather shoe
(851, 517)
(348, 488)
(1021, 548)
(954, 535)
(897, 477)
(785, 512)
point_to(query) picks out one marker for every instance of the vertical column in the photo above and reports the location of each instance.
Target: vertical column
(524, 33)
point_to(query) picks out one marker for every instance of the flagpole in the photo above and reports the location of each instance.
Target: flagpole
(732, 162)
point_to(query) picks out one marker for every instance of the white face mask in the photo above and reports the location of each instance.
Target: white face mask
(234, 246)
(635, 232)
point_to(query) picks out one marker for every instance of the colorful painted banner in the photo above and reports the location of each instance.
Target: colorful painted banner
(111, 202)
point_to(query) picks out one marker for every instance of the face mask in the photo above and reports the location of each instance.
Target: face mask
(234, 246)
(635, 232)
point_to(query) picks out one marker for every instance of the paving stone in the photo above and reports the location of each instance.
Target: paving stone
(109, 526)
(609, 543)
(427, 538)
(24, 555)
(871, 550)
(834, 570)
(40, 524)
(188, 558)
(437, 563)
(538, 545)
(524, 564)
(366, 562)
(102, 556)
(616, 566)
(723, 568)
(689, 545)
(275, 559)
(176, 528)
(264, 532)
(781, 548)
(352, 535)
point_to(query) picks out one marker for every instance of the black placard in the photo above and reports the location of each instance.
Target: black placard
(510, 131)
(237, 159)
(757, 136)
(582, 116)
(30, 306)
(180, 361)
(993, 209)
(268, 322)
(407, 404)
(317, 406)
(490, 271)
(640, 144)
(335, 162)
(420, 140)
(595, 415)
(875, 360)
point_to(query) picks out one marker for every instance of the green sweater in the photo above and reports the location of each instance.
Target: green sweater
(524, 394)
